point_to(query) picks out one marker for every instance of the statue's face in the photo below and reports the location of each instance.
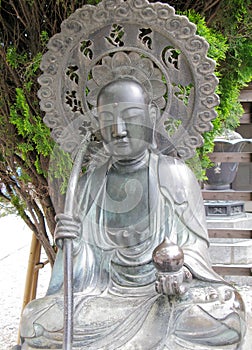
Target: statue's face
(124, 118)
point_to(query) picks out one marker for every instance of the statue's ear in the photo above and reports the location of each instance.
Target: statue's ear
(95, 116)
(153, 112)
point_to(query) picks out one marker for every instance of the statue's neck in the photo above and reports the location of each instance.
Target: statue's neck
(131, 165)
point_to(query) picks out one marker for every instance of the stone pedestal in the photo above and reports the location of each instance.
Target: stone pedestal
(224, 208)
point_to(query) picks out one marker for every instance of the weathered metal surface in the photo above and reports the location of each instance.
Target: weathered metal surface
(161, 47)
(137, 77)
(124, 208)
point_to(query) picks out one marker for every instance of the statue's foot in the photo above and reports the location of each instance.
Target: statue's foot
(214, 321)
(199, 327)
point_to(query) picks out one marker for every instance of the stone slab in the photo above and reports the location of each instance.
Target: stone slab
(231, 251)
(244, 222)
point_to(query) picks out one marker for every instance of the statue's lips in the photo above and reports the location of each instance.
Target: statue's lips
(121, 143)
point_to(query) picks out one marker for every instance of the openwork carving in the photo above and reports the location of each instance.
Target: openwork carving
(147, 42)
(127, 64)
(115, 36)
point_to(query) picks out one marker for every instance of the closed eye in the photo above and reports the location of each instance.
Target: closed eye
(106, 117)
(131, 113)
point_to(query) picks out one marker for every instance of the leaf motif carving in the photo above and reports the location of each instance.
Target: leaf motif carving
(129, 38)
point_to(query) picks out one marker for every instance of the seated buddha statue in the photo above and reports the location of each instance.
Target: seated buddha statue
(142, 273)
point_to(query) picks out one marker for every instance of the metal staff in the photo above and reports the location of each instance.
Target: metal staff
(68, 248)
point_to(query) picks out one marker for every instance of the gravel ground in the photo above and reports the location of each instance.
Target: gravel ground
(14, 253)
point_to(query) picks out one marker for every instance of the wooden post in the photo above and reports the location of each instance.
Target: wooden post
(34, 284)
(31, 275)
(32, 261)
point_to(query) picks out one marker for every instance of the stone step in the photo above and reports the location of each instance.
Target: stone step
(241, 223)
(229, 233)
(234, 273)
(228, 251)
(231, 245)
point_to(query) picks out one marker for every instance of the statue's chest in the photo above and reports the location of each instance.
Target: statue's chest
(127, 202)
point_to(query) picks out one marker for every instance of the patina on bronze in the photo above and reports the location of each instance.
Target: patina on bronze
(142, 277)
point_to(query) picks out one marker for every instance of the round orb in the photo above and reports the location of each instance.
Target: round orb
(168, 257)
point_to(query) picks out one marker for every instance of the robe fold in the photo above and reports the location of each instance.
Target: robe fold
(115, 302)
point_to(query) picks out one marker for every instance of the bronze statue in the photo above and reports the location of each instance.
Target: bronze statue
(142, 275)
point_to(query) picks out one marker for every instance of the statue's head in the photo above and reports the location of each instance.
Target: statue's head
(126, 118)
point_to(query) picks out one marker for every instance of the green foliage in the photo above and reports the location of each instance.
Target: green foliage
(60, 168)
(19, 205)
(234, 21)
(36, 136)
(14, 59)
(230, 45)
(217, 42)
(92, 2)
(21, 175)
(31, 71)
(44, 38)
(200, 162)
(217, 51)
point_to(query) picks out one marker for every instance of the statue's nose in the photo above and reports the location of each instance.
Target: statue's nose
(119, 130)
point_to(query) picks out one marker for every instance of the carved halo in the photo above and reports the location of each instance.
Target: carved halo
(132, 38)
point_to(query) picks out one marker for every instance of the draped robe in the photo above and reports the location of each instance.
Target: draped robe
(115, 302)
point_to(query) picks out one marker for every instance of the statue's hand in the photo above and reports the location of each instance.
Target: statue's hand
(67, 227)
(173, 283)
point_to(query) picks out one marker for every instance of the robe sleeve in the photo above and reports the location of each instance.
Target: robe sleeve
(178, 182)
(88, 260)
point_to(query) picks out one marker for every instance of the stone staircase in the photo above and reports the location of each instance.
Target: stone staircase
(231, 247)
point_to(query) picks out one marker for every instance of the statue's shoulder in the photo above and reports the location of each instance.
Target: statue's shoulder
(177, 178)
(91, 182)
(171, 168)
(94, 173)
(170, 161)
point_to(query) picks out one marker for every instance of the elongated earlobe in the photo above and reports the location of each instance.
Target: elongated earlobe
(153, 112)
(153, 117)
